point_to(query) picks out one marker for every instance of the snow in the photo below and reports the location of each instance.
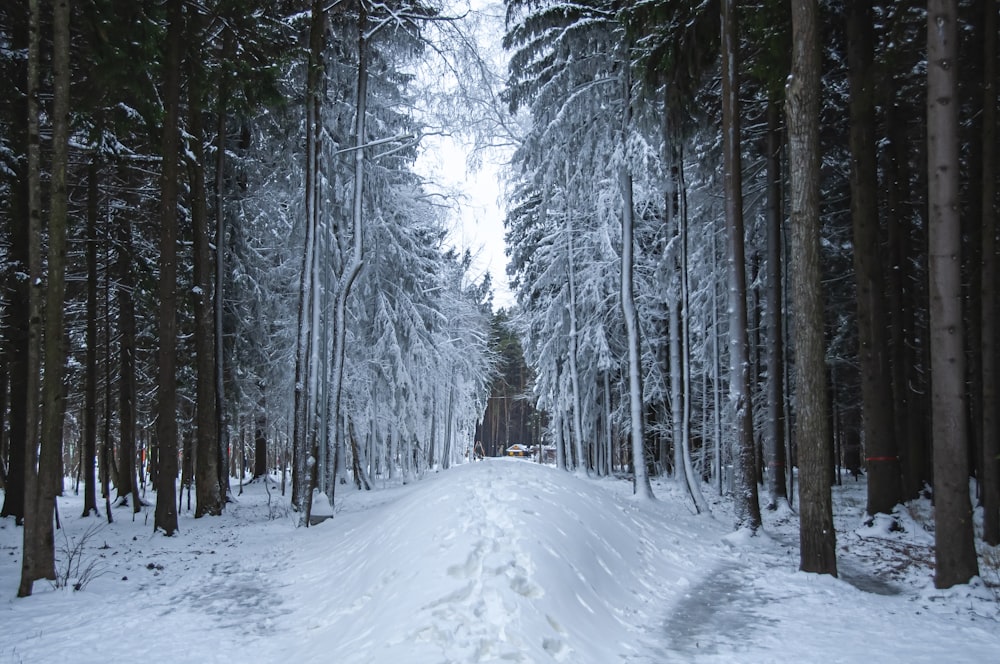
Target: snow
(499, 560)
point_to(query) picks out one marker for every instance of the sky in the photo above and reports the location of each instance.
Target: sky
(476, 207)
(470, 179)
(501, 560)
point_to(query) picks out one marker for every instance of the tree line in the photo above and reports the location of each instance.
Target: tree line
(748, 238)
(218, 260)
(744, 239)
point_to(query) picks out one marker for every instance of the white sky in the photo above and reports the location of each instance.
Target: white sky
(476, 212)
(473, 194)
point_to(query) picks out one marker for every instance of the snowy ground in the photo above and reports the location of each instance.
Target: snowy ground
(501, 560)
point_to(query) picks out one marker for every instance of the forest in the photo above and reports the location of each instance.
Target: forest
(751, 244)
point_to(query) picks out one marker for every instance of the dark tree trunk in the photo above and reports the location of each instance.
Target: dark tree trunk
(991, 435)
(126, 483)
(222, 420)
(775, 436)
(89, 453)
(817, 537)
(32, 559)
(884, 490)
(955, 549)
(17, 301)
(40, 562)
(166, 388)
(260, 441)
(209, 499)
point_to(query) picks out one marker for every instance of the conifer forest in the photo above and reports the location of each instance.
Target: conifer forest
(751, 254)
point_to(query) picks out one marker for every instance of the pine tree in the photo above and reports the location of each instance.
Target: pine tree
(954, 547)
(816, 535)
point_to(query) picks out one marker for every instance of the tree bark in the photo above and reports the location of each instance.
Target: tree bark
(817, 538)
(953, 537)
(165, 518)
(89, 454)
(640, 485)
(39, 535)
(884, 488)
(30, 562)
(303, 462)
(990, 423)
(746, 501)
(125, 481)
(775, 436)
(206, 443)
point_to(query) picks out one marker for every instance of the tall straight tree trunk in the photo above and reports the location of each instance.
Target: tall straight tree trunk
(206, 444)
(39, 553)
(640, 485)
(18, 318)
(303, 463)
(574, 349)
(218, 302)
(817, 538)
(126, 482)
(954, 546)
(774, 441)
(692, 479)
(991, 435)
(884, 487)
(33, 532)
(906, 400)
(90, 396)
(747, 505)
(165, 518)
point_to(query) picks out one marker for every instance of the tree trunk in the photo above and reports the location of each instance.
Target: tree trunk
(303, 464)
(356, 260)
(206, 443)
(991, 434)
(38, 561)
(775, 436)
(574, 345)
(33, 532)
(908, 427)
(90, 396)
(953, 537)
(126, 483)
(747, 506)
(640, 485)
(166, 386)
(884, 488)
(222, 420)
(17, 330)
(817, 537)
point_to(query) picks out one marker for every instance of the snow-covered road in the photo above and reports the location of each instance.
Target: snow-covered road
(501, 560)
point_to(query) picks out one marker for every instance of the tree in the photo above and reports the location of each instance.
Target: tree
(166, 387)
(991, 433)
(777, 461)
(207, 486)
(884, 488)
(32, 560)
(954, 547)
(640, 483)
(817, 538)
(38, 561)
(302, 448)
(747, 507)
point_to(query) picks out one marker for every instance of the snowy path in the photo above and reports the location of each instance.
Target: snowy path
(498, 561)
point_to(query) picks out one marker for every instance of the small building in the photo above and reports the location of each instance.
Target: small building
(518, 450)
